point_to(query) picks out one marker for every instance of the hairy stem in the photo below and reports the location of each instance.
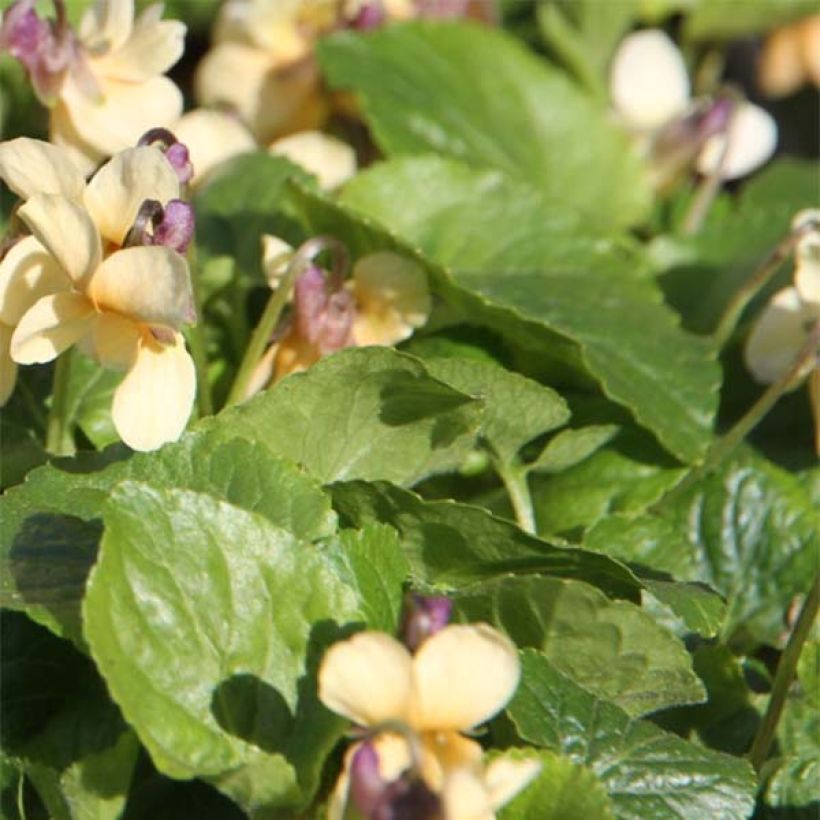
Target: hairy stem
(514, 478)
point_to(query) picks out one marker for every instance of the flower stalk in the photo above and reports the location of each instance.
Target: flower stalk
(59, 441)
(723, 446)
(514, 478)
(263, 332)
(783, 678)
(767, 269)
(195, 336)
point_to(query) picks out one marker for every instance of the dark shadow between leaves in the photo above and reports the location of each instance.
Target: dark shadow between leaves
(48, 565)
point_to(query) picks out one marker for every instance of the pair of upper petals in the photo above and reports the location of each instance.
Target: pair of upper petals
(458, 678)
(649, 87)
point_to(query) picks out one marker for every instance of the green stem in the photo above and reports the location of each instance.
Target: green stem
(706, 192)
(59, 441)
(723, 446)
(783, 678)
(196, 341)
(514, 478)
(260, 338)
(742, 297)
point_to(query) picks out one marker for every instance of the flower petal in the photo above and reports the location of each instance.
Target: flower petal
(53, 324)
(211, 138)
(153, 402)
(61, 132)
(31, 167)
(115, 341)
(392, 298)
(119, 188)
(778, 336)
(276, 256)
(67, 231)
(780, 69)
(648, 81)
(463, 676)
(149, 51)
(124, 112)
(505, 776)
(367, 678)
(107, 24)
(150, 284)
(27, 273)
(330, 160)
(8, 367)
(807, 269)
(752, 139)
(466, 797)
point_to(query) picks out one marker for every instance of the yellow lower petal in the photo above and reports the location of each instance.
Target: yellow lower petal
(51, 326)
(153, 402)
(115, 341)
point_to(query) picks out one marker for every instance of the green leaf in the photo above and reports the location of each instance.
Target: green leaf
(88, 403)
(750, 531)
(612, 648)
(372, 562)
(584, 302)
(454, 544)
(647, 772)
(562, 791)
(516, 409)
(700, 608)
(725, 19)
(369, 413)
(49, 532)
(624, 477)
(570, 447)
(701, 273)
(204, 620)
(475, 94)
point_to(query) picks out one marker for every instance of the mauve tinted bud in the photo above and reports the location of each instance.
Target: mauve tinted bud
(423, 617)
(177, 154)
(371, 15)
(366, 784)
(176, 228)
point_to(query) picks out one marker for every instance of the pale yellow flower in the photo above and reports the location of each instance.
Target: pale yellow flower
(123, 305)
(114, 92)
(330, 160)
(649, 89)
(790, 57)
(386, 299)
(262, 66)
(457, 679)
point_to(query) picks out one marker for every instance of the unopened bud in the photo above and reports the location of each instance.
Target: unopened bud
(175, 230)
(369, 16)
(423, 617)
(175, 151)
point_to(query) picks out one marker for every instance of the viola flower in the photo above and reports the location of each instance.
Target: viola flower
(126, 291)
(383, 302)
(784, 326)
(651, 95)
(103, 82)
(416, 708)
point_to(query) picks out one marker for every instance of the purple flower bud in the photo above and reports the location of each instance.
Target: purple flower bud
(371, 15)
(323, 317)
(45, 51)
(177, 154)
(423, 617)
(176, 227)
(366, 784)
(716, 118)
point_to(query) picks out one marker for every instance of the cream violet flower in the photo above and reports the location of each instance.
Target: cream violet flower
(383, 302)
(416, 707)
(650, 92)
(104, 82)
(126, 292)
(793, 313)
